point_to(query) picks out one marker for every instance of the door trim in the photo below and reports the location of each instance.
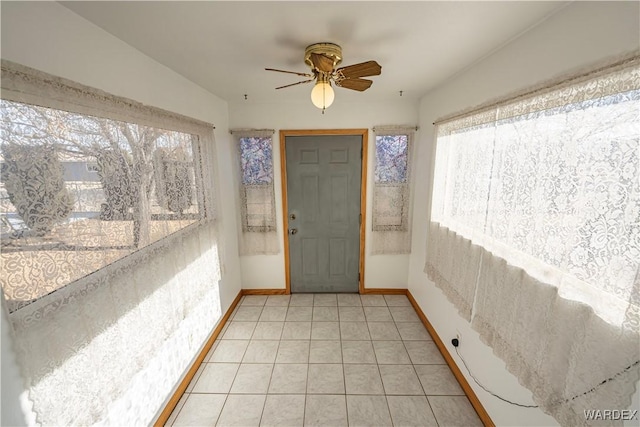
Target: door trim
(364, 133)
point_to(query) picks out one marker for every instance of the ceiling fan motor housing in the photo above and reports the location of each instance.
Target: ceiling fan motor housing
(330, 50)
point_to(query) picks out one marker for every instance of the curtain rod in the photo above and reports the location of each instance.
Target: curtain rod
(549, 85)
(232, 131)
(383, 128)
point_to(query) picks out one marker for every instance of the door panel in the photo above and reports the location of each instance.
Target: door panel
(338, 260)
(323, 194)
(309, 257)
(310, 199)
(339, 199)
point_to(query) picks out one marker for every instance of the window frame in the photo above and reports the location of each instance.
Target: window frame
(33, 87)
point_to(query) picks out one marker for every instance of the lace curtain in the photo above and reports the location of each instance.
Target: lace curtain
(391, 228)
(535, 236)
(109, 259)
(258, 234)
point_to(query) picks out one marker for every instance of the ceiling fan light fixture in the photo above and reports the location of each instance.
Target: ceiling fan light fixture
(323, 58)
(322, 95)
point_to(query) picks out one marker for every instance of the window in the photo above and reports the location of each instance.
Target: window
(392, 153)
(557, 189)
(257, 183)
(535, 235)
(391, 190)
(79, 192)
(257, 231)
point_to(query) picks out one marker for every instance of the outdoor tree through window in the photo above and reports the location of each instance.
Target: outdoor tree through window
(79, 192)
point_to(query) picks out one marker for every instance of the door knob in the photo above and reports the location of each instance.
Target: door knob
(293, 231)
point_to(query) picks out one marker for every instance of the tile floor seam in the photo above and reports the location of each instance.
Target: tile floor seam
(380, 374)
(412, 364)
(419, 381)
(226, 397)
(264, 405)
(234, 377)
(273, 369)
(346, 406)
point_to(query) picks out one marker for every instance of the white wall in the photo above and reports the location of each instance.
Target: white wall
(580, 34)
(381, 271)
(49, 37)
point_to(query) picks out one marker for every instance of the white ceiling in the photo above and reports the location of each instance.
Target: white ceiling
(225, 46)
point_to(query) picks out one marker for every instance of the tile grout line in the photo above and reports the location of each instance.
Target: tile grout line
(424, 393)
(386, 399)
(411, 360)
(433, 413)
(274, 363)
(344, 379)
(275, 358)
(414, 368)
(222, 408)
(239, 364)
(385, 391)
(226, 397)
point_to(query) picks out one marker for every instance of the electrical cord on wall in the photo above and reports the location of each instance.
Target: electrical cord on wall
(455, 343)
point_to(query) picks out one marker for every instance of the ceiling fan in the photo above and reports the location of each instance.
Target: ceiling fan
(323, 58)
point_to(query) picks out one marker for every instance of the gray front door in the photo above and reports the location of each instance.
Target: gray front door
(323, 197)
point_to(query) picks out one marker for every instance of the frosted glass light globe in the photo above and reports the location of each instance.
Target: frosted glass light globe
(322, 95)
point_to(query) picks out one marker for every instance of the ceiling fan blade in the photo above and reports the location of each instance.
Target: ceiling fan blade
(321, 62)
(355, 84)
(293, 84)
(364, 69)
(290, 72)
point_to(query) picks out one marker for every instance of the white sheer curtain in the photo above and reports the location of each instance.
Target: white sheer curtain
(109, 260)
(535, 236)
(258, 231)
(391, 222)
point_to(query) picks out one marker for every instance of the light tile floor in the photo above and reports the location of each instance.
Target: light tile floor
(324, 360)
